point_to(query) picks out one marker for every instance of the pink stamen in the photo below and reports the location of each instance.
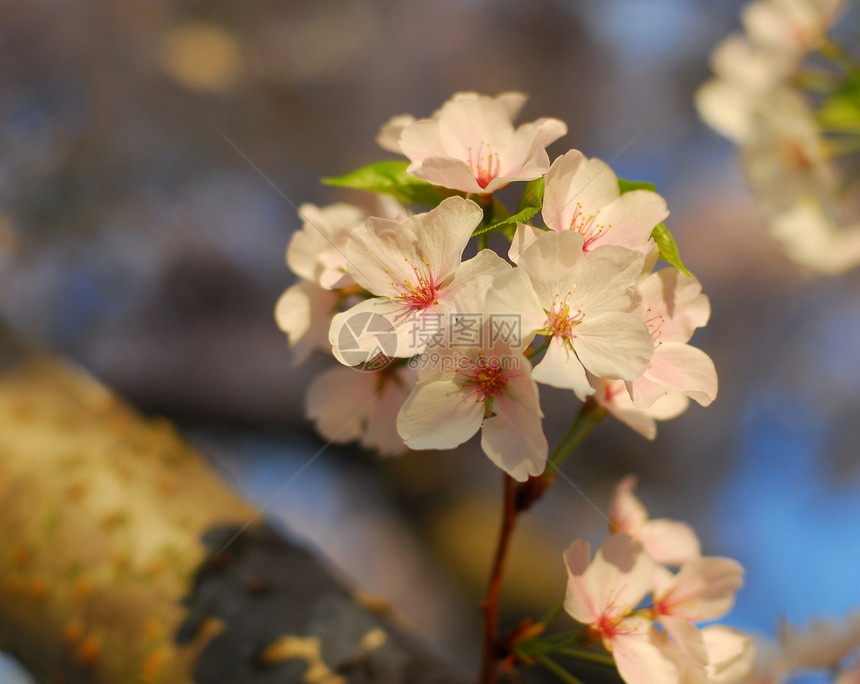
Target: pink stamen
(560, 321)
(586, 226)
(486, 378)
(484, 168)
(420, 294)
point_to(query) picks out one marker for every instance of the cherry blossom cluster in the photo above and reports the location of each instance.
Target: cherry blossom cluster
(785, 93)
(459, 336)
(657, 640)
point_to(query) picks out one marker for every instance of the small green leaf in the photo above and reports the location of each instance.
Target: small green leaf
(630, 186)
(841, 110)
(390, 178)
(530, 204)
(668, 248)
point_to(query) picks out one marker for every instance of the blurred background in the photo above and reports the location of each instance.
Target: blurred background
(135, 240)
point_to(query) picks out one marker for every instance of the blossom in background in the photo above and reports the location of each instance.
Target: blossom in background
(414, 268)
(463, 390)
(823, 644)
(792, 27)
(582, 304)
(582, 195)
(667, 541)
(346, 405)
(470, 143)
(815, 239)
(754, 100)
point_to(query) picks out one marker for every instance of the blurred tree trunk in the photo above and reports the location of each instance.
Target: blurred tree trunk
(124, 557)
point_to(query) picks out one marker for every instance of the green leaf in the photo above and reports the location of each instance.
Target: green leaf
(668, 248)
(630, 186)
(390, 178)
(530, 204)
(841, 110)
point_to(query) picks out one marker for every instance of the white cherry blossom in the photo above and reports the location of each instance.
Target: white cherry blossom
(414, 267)
(672, 307)
(582, 304)
(614, 396)
(305, 313)
(667, 541)
(470, 143)
(463, 390)
(582, 195)
(316, 252)
(348, 405)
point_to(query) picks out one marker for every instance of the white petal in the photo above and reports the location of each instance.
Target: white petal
(639, 658)
(474, 279)
(512, 293)
(629, 220)
(613, 584)
(574, 185)
(439, 415)
(669, 541)
(338, 401)
(513, 439)
(388, 137)
(443, 233)
(370, 328)
(688, 637)
(560, 368)
(552, 262)
(685, 369)
(626, 512)
(447, 172)
(523, 237)
(704, 589)
(731, 654)
(613, 345)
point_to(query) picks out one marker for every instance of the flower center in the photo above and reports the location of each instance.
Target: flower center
(485, 377)
(561, 320)
(655, 326)
(484, 164)
(586, 226)
(420, 291)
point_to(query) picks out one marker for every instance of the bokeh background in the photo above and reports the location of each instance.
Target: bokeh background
(135, 240)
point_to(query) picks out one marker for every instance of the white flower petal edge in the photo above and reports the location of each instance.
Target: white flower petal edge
(471, 145)
(304, 312)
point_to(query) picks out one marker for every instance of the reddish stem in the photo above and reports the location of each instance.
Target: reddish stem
(490, 650)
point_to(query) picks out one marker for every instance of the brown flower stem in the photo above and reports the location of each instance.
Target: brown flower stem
(490, 650)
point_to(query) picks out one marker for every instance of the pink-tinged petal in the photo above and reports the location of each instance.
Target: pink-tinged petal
(339, 400)
(644, 391)
(552, 262)
(371, 327)
(669, 541)
(388, 137)
(731, 654)
(421, 140)
(629, 220)
(513, 439)
(525, 154)
(439, 415)
(447, 172)
(443, 233)
(560, 368)
(704, 589)
(579, 602)
(619, 576)
(523, 237)
(613, 345)
(381, 254)
(472, 282)
(685, 369)
(670, 405)
(674, 304)
(576, 188)
(639, 658)
(512, 293)
(380, 430)
(607, 278)
(304, 312)
(688, 637)
(465, 124)
(512, 102)
(626, 512)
